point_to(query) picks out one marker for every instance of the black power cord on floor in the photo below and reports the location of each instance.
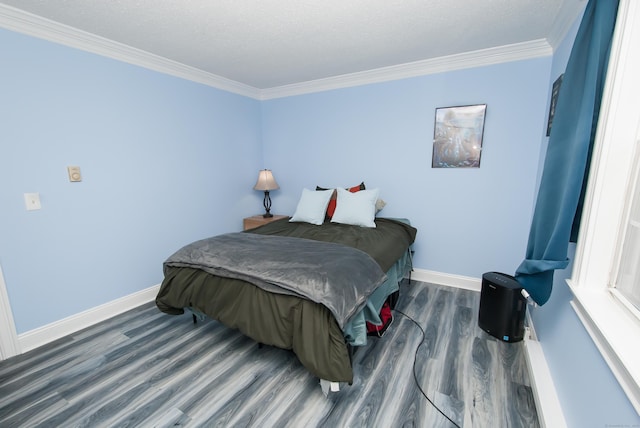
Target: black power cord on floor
(415, 376)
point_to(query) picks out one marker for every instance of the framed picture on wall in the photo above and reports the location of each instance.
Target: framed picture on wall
(555, 90)
(457, 139)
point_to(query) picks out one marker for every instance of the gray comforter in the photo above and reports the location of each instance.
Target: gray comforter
(337, 276)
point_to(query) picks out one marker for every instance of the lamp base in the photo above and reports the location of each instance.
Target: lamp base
(267, 205)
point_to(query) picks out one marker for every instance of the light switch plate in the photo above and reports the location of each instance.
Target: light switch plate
(32, 201)
(74, 173)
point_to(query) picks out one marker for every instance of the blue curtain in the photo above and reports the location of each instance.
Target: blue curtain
(569, 150)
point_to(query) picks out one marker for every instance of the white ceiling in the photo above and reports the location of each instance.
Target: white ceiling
(266, 44)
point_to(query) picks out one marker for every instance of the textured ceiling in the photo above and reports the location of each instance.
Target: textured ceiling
(272, 43)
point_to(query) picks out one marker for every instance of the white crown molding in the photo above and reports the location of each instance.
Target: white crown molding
(33, 25)
(563, 22)
(26, 23)
(479, 58)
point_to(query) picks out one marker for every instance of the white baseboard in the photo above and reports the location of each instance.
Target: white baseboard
(50, 332)
(8, 337)
(458, 281)
(547, 404)
(544, 391)
(530, 332)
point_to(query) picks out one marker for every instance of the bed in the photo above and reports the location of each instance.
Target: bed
(295, 285)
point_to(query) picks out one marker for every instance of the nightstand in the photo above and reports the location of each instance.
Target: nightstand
(258, 220)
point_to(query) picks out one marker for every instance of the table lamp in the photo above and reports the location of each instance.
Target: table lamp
(266, 182)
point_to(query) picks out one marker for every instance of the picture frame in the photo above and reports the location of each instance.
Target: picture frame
(457, 136)
(555, 90)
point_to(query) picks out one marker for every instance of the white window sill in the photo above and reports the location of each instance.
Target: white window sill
(616, 333)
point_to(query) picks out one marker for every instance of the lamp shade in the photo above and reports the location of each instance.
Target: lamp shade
(266, 181)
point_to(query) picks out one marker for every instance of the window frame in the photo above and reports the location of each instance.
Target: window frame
(611, 325)
(628, 226)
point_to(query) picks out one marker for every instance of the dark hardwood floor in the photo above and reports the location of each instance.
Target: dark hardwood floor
(145, 368)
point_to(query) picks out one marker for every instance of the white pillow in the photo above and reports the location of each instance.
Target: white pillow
(312, 206)
(358, 209)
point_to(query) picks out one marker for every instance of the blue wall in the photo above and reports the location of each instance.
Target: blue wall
(469, 221)
(589, 394)
(164, 161)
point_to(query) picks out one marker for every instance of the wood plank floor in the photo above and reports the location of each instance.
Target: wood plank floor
(145, 368)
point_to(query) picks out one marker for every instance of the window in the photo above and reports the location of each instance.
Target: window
(613, 325)
(627, 279)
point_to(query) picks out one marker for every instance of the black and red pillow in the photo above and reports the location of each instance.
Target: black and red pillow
(331, 208)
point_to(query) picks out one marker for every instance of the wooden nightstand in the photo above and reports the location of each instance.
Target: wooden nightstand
(258, 220)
